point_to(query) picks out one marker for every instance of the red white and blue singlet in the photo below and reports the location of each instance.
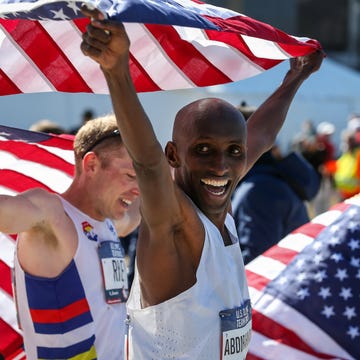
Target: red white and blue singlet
(67, 317)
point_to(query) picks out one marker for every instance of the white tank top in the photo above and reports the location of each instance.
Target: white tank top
(188, 325)
(67, 316)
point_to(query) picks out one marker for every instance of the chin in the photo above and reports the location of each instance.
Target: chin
(119, 215)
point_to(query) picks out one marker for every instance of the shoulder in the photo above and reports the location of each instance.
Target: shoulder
(41, 196)
(45, 204)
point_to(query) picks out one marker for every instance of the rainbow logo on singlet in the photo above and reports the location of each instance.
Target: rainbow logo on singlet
(88, 231)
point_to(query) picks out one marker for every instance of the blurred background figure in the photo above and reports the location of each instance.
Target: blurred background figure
(347, 166)
(352, 126)
(316, 145)
(303, 142)
(271, 200)
(246, 110)
(327, 194)
(47, 126)
(129, 244)
(88, 114)
(324, 133)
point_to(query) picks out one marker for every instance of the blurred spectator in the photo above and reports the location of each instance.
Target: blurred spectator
(270, 201)
(353, 125)
(304, 141)
(315, 144)
(318, 148)
(347, 169)
(47, 126)
(87, 115)
(327, 194)
(129, 244)
(246, 109)
(324, 133)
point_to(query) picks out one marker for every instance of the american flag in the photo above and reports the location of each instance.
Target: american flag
(27, 160)
(306, 290)
(175, 44)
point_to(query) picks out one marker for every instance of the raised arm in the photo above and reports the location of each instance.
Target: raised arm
(22, 212)
(107, 43)
(267, 120)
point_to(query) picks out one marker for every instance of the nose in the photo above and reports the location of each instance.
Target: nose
(219, 164)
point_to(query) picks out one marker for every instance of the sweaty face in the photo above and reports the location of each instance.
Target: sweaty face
(212, 150)
(116, 185)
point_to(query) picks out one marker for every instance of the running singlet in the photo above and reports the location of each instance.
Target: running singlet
(209, 321)
(69, 317)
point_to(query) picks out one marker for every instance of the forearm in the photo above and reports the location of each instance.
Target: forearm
(108, 44)
(134, 125)
(266, 122)
(270, 116)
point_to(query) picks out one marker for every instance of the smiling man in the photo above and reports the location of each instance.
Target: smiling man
(70, 274)
(189, 298)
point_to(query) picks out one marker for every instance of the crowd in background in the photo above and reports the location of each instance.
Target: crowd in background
(337, 165)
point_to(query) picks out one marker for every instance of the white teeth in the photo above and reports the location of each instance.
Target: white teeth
(213, 182)
(127, 202)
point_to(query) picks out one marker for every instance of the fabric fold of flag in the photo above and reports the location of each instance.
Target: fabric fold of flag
(305, 290)
(175, 44)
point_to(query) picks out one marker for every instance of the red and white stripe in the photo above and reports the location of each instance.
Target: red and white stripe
(45, 56)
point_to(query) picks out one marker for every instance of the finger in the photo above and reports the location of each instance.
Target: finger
(93, 44)
(97, 34)
(90, 51)
(92, 13)
(114, 27)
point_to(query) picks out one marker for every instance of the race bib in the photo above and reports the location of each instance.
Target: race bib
(235, 332)
(114, 271)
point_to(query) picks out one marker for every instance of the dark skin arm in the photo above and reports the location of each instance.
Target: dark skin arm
(264, 125)
(171, 236)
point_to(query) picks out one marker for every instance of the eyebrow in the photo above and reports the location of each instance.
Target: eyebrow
(112, 134)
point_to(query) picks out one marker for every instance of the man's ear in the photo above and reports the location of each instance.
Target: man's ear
(90, 163)
(171, 154)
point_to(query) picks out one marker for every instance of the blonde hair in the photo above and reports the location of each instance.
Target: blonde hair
(98, 135)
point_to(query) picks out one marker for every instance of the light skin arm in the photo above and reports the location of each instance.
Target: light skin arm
(21, 212)
(264, 125)
(38, 218)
